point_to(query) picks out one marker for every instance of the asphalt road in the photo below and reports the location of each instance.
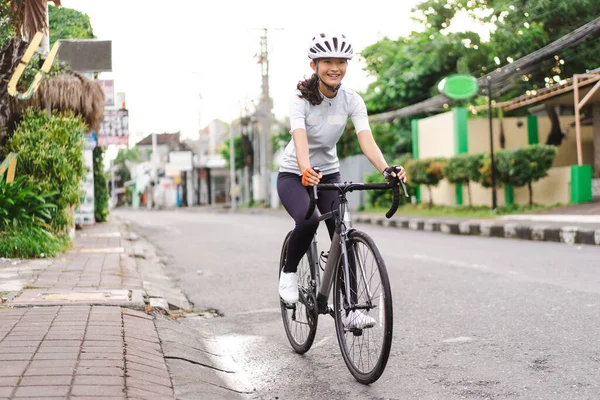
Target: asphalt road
(474, 317)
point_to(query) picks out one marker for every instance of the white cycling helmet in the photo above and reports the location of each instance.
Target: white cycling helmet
(330, 46)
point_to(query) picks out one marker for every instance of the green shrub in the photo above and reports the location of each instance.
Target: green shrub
(24, 204)
(462, 170)
(100, 186)
(427, 171)
(50, 150)
(383, 198)
(31, 242)
(523, 166)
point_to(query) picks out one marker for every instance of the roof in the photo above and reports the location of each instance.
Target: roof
(161, 138)
(560, 93)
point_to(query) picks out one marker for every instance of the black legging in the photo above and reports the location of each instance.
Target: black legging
(294, 197)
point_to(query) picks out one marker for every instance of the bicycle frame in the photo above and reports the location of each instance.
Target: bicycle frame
(338, 245)
(343, 226)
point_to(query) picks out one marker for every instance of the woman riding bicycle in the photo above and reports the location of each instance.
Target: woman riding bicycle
(319, 111)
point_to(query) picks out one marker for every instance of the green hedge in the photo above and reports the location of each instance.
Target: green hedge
(50, 155)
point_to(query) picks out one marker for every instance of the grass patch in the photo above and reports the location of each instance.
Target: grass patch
(31, 242)
(423, 210)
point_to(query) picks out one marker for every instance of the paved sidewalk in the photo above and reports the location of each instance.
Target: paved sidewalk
(80, 352)
(74, 327)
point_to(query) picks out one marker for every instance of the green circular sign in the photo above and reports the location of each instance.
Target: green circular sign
(459, 86)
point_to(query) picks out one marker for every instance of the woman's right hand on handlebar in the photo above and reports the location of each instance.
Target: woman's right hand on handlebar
(310, 177)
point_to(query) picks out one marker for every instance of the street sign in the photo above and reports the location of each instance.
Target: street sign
(458, 86)
(108, 87)
(181, 160)
(114, 128)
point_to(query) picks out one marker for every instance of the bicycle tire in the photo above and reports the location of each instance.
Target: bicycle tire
(300, 323)
(357, 342)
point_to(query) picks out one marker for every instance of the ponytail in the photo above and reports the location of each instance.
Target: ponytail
(309, 90)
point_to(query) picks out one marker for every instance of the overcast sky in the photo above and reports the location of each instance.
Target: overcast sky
(183, 63)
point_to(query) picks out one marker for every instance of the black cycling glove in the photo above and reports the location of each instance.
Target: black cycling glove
(387, 173)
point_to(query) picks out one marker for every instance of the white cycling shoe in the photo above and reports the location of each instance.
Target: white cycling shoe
(358, 320)
(288, 287)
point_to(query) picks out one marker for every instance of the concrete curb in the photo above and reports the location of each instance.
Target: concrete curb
(509, 230)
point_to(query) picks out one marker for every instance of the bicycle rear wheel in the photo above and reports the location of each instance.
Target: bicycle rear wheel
(365, 349)
(300, 319)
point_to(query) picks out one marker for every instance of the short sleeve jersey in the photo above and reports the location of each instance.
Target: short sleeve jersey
(324, 125)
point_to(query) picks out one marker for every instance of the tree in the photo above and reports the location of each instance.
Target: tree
(459, 171)
(428, 172)
(66, 23)
(523, 166)
(238, 152)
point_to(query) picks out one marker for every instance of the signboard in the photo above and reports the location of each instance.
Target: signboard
(114, 128)
(84, 214)
(86, 55)
(459, 86)
(108, 87)
(181, 160)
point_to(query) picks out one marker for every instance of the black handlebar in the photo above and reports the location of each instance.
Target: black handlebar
(350, 187)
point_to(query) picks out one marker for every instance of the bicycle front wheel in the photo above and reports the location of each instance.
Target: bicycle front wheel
(363, 309)
(300, 319)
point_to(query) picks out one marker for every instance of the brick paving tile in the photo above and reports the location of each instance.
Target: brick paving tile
(53, 363)
(101, 343)
(97, 398)
(147, 369)
(143, 394)
(56, 356)
(16, 356)
(105, 330)
(8, 380)
(99, 349)
(148, 377)
(137, 314)
(13, 368)
(109, 371)
(141, 351)
(44, 391)
(106, 338)
(62, 343)
(50, 347)
(137, 356)
(9, 348)
(101, 356)
(64, 336)
(97, 390)
(98, 379)
(101, 363)
(136, 343)
(46, 380)
(149, 387)
(152, 387)
(49, 371)
(145, 361)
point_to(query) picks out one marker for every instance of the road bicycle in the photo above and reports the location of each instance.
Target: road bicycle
(355, 270)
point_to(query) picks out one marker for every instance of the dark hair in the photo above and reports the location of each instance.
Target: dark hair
(309, 90)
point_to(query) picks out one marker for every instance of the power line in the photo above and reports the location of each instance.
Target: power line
(574, 38)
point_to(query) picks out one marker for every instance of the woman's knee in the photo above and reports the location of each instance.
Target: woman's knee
(308, 226)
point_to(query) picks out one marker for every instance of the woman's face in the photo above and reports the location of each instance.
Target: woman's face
(331, 70)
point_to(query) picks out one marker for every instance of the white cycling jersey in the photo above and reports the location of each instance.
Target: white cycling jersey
(324, 125)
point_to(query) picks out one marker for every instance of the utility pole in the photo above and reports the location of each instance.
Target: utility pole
(265, 118)
(493, 166)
